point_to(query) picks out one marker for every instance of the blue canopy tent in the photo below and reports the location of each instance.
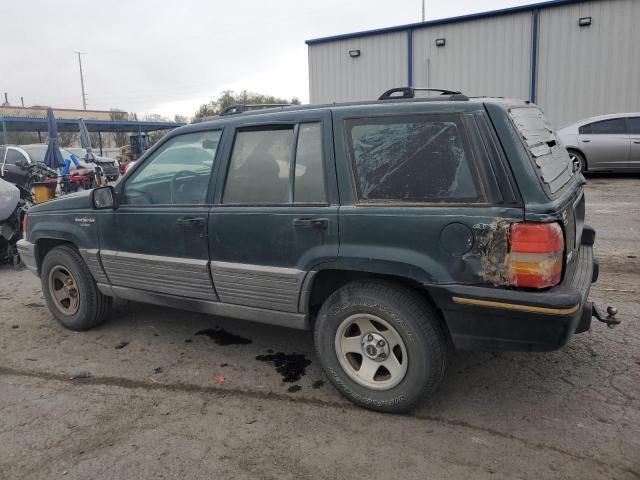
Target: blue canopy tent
(53, 157)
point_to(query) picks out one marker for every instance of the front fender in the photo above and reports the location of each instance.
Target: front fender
(79, 228)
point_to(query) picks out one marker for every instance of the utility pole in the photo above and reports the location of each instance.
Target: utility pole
(22, 101)
(423, 16)
(84, 96)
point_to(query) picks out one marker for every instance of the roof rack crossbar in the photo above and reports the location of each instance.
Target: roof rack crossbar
(410, 92)
(241, 108)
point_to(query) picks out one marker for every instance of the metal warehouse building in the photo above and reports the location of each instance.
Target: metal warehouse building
(575, 58)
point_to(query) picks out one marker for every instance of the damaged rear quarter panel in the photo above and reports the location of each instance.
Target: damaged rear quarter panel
(406, 241)
(493, 250)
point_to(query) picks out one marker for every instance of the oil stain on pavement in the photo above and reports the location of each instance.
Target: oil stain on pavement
(222, 337)
(292, 366)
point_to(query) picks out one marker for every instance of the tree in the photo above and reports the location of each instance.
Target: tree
(121, 138)
(155, 117)
(228, 98)
(68, 139)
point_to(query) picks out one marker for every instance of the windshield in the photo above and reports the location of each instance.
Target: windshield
(36, 154)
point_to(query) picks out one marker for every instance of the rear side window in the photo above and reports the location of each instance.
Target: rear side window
(615, 126)
(417, 158)
(551, 160)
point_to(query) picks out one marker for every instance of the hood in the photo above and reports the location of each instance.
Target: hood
(73, 201)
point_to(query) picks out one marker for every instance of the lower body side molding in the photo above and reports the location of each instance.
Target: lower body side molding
(272, 317)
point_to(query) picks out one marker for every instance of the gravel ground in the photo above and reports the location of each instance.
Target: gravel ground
(163, 401)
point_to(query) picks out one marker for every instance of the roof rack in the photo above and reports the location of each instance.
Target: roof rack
(240, 108)
(410, 92)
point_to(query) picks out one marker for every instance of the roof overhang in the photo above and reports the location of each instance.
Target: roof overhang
(27, 124)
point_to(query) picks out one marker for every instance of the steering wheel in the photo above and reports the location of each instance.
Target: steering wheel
(138, 197)
(182, 174)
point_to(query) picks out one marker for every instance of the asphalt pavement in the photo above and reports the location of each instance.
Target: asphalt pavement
(162, 393)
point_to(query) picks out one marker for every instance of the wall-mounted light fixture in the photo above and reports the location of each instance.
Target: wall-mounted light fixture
(354, 53)
(584, 21)
(440, 42)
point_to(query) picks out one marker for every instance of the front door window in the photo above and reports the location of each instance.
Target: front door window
(177, 174)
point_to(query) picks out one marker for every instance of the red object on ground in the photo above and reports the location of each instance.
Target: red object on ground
(219, 378)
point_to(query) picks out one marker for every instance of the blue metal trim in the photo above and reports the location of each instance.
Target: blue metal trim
(94, 122)
(535, 20)
(410, 57)
(39, 123)
(5, 135)
(444, 21)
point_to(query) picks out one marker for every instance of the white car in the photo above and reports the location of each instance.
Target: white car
(606, 142)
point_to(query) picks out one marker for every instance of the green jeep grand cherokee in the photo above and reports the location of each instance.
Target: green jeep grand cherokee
(397, 229)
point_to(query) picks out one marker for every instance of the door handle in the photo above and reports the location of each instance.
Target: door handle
(197, 222)
(311, 223)
(586, 141)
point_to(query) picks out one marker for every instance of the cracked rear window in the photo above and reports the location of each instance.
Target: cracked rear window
(417, 158)
(550, 158)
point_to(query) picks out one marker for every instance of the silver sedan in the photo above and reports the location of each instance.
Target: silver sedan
(604, 143)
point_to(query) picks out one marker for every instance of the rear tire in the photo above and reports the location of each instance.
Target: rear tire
(71, 292)
(381, 345)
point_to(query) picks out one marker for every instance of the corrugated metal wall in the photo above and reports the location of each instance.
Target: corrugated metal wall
(489, 56)
(581, 71)
(586, 71)
(336, 77)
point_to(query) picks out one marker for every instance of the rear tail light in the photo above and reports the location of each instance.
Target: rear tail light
(535, 256)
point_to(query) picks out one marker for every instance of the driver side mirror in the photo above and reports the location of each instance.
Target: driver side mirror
(104, 198)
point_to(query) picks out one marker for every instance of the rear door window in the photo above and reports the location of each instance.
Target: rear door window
(550, 159)
(309, 186)
(276, 165)
(259, 169)
(633, 124)
(614, 126)
(413, 158)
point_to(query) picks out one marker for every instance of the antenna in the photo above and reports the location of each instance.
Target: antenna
(84, 95)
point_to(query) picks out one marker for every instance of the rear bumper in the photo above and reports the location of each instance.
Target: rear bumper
(27, 252)
(494, 319)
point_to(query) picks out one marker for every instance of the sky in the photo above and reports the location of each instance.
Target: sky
(169, 57)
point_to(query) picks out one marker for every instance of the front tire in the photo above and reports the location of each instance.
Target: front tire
(381, 345)
(576, 156)
(71, 292)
